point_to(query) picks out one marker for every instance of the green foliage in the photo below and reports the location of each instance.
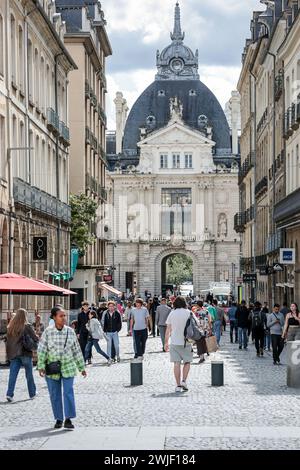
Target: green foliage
(83, 214)
(179, 269)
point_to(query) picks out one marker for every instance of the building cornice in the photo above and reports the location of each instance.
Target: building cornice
(69, 62)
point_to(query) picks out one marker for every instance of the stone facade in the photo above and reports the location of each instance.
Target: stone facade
(269, 172)
(174, 190)
(86, 40)
(139, 242)
(34, 141)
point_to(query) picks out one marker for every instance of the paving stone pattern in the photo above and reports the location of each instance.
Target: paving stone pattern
(255, 395)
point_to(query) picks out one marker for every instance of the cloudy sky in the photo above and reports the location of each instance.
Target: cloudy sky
(137, 28)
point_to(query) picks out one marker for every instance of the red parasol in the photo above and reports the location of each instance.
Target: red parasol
(16, 284)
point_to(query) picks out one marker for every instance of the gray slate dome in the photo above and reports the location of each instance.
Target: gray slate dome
(196, 99)
(177, 77)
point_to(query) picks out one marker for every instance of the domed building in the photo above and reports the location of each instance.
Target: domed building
(173, 180)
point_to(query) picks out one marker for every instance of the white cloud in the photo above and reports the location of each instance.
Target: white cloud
(217, 27)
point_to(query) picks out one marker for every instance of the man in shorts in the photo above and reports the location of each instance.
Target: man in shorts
(180, 350)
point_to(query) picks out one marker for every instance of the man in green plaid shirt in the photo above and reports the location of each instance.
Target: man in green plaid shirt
(59, 343)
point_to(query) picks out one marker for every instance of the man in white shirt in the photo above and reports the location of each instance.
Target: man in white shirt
(180, 350)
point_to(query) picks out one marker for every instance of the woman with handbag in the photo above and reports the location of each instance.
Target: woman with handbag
(59, 358)
(95, 334)
(20, 342)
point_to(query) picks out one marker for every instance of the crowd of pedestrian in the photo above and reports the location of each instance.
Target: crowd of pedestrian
(185, 326)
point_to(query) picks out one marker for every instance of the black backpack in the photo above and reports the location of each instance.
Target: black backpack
(191, 331)
(28, 343)
(257, 320)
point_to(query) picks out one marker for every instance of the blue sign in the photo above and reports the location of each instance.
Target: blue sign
(287, 256)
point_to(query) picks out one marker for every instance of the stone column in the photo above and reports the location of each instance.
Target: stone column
(235, 120)
(121, 116)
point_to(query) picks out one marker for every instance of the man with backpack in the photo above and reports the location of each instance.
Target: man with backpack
(242, 317)
(180, 350)
(276, 324)
(259, 324)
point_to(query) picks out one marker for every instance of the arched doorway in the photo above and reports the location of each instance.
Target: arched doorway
(177, 274)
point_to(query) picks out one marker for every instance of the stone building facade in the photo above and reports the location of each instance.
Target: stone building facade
(269, 168)
(34, 142)
(173, 188)
(87, 42)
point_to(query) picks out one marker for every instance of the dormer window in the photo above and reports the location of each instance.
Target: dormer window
(192, 93)
(202, 121)
(151, 122)
(161, 93)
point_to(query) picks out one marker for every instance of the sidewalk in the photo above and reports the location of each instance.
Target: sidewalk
(149, 438)
(254, 409)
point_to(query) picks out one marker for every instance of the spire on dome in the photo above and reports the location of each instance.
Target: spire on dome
(177, 34)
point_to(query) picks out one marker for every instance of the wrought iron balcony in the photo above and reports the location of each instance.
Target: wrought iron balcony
(239, 222)
(102, 192)
(39, 201)
(279, 81)
(64, 133)
(87, 135)
(87, 89)
(247, 264)
(261, 187)
(102, 114)
(275, 242)
(103, 79)
(246, 166)
(52, 121)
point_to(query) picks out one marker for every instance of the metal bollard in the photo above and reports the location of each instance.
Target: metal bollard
(217, 374)
(293, 364)
(136, 373)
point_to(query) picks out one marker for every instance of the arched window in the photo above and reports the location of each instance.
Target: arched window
(151, 121)
(202, 121)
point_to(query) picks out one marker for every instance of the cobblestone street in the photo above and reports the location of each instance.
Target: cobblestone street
(254, 409)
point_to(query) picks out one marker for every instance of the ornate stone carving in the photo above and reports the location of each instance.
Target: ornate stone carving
(222, 226)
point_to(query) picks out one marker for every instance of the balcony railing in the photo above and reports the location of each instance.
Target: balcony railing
(87, 89)
(262, 120)
(240, 222)
(64, 133)
(261, 187)
(102, 114)
(247, 264)
(275, 242)
(102, 192)
(93, 99)
(246, 166)
(35, 199)
(52, 121)
(279, 81)
(103, 79)
(291, 119)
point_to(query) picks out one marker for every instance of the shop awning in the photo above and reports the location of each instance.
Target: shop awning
(110, 289)
(16, 284)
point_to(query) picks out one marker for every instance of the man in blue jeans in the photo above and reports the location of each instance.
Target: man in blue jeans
(242, 316)
(219, 321)
(112, 325)
(139, 323)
